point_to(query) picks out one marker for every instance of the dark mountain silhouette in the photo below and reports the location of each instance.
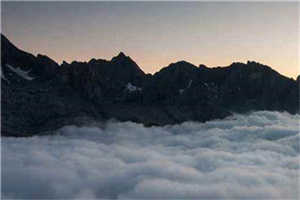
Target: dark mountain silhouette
(39, 95)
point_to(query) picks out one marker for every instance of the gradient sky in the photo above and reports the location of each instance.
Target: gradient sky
(155, 34)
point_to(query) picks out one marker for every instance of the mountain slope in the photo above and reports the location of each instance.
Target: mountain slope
(38, 95)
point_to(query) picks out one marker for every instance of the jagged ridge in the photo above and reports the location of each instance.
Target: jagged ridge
(99, 90)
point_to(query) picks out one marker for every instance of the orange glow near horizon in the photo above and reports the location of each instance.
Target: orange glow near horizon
(155, 34)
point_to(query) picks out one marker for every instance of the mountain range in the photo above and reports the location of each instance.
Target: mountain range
(39, 95)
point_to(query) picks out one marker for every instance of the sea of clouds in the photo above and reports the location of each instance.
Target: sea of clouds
(254, 156)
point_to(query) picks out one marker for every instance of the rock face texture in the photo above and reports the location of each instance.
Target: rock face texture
(39, 95)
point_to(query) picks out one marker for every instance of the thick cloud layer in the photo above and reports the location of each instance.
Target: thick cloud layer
(244, 156)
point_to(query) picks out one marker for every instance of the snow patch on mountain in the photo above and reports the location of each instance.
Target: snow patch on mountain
(23, 74)
(132, 88)
(188, 86)
(3, 75)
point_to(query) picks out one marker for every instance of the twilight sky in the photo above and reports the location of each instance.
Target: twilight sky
(154, 34)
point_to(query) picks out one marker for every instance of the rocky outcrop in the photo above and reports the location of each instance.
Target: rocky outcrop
(39, 96)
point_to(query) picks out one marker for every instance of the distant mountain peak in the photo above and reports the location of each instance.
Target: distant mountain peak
(182, 65)
(64, 62)
(202, 66)
(120, 56)
(181, 62)
(101, 89)
(180, 68)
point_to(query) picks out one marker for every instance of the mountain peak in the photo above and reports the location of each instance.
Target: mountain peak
(182, 65)
(120, 56)
(101, 89)
(179, 67)
(202, 66)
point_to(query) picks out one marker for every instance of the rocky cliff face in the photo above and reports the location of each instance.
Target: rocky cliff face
(38, 95)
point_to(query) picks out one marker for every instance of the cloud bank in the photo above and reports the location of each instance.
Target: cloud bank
(253, 156)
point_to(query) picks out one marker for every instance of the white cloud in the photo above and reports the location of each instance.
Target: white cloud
(244, 156)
